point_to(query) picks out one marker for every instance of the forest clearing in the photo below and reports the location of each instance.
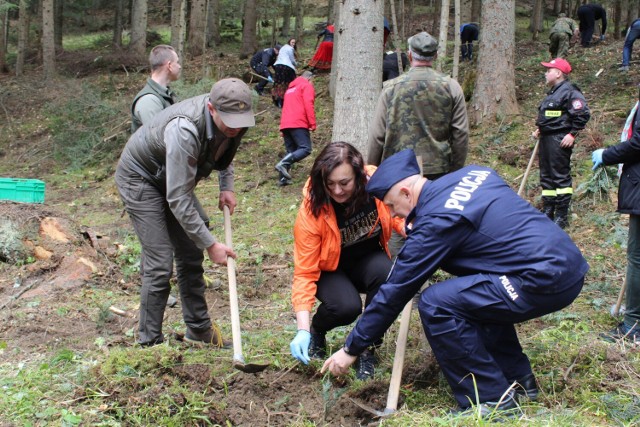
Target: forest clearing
(70, 267)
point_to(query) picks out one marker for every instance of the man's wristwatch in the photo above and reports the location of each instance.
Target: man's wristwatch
(346, 350)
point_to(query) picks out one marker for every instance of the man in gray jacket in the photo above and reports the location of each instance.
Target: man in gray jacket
(156, 178)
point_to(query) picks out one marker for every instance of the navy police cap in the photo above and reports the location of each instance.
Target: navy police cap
(391, 171)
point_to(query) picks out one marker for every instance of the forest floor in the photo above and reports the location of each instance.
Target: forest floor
(67, 357)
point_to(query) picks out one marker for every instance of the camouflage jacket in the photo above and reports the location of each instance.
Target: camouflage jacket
(423, 110)
(563, 25)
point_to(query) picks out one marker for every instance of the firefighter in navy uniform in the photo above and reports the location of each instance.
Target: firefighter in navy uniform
(561, 115)
(511, 266)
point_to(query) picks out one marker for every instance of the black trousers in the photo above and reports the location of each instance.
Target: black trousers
(339, 291)
(555, 165)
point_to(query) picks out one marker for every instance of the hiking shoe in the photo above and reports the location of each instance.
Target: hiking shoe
(365, 365)
(527, 387)
(318, 346)
(624, 68)
(206, 337)
(172, 301)
(500, 410)
(282, 182)
(622, 331)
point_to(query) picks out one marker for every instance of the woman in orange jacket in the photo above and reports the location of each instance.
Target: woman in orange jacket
(340, 251)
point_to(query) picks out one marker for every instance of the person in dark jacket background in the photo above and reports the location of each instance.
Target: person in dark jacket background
(261, 61)
(561, 116)
(510, 266)
(390, 65)
(297, 120)
(468, 34)
(627, 153)
(587, 15)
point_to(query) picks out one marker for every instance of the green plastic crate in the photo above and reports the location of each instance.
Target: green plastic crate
(22, 190)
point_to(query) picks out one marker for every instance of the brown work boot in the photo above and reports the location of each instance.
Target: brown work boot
(206, 337)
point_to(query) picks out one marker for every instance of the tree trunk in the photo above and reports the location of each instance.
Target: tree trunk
(359, 75)
(436, 16)
(299, 20)
(197, 23)
(48, 40)
(475, 10)
(456, 38)
(336, 40)
(118, 23)
(442, 39)
(330, 17)
(138, 43)
(626, 13)
(617, 18)
(557, 4)
(4, 24)
(214, 37)
(214, 21)
(495, 94)
(249, 42)
(23, 36)
(58, 24)
(537, 14)
(178, 26)
(396, 41)
(286, 18)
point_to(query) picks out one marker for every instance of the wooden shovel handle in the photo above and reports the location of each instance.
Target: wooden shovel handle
(233, 290)
(526, 173)
(398, 359)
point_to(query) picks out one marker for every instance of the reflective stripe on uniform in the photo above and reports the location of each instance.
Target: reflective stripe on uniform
(567, 190)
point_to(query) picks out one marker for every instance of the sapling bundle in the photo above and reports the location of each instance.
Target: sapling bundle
(599, 184)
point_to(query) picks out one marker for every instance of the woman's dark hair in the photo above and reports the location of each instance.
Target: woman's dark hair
(295, 48)
(332, 156)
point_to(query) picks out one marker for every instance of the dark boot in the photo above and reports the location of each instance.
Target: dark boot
(527, 387)
(318, 346)
(548, 206)
(365, 365)
(284, 165)
(562, 210)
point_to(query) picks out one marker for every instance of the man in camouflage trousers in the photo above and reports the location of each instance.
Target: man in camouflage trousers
(560, 36)
(423, 110)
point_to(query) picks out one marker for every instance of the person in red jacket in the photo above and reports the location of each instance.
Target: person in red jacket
(298, 118)
(340, 250)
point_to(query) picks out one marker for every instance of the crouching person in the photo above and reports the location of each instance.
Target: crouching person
(511, 266)
(340, 251)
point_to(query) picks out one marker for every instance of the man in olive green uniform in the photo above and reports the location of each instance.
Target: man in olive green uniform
(156, 95)
(423, 110)
(156, 176)
(560, 35)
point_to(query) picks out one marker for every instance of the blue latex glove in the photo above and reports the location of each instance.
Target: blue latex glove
(270, 79)
(596, 158)
(602, 38)
(300, 346)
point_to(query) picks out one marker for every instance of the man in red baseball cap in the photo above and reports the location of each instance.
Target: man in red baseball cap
(561, 115)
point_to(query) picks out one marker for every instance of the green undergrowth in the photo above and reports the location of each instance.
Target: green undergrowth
(583, 381)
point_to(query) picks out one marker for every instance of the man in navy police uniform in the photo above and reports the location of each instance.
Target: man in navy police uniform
(512, 264)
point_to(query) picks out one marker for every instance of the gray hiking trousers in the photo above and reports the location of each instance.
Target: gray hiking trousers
(162, 239)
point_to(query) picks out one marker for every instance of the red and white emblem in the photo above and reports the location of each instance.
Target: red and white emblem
(577, 104)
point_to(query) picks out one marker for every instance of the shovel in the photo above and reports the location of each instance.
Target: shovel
(238, 360)
(398, 364)
(526, 173)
